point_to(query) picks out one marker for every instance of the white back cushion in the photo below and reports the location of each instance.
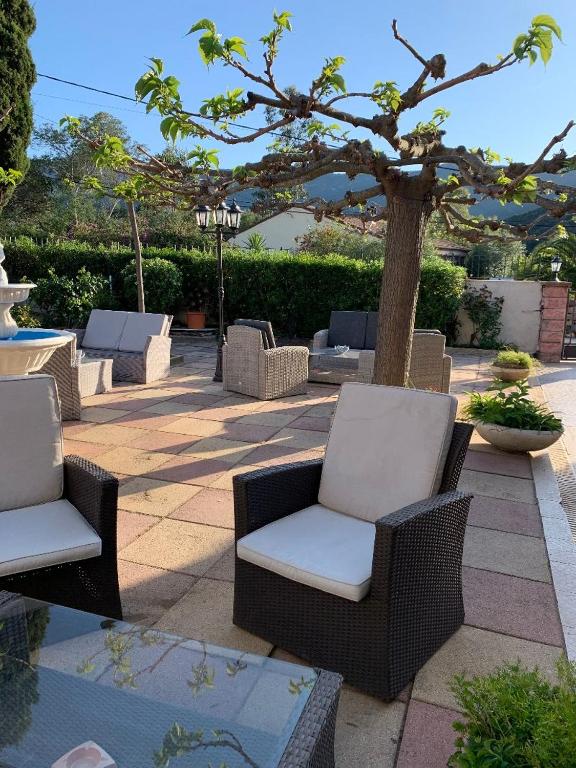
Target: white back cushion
(140, 325)
(31, 470)
(104, 329)
(386, 449)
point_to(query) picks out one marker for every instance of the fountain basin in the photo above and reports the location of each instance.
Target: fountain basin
(29, 349)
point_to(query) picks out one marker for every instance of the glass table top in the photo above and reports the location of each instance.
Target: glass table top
(145, 697)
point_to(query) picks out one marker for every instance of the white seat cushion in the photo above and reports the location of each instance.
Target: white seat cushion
(317, 547)
(104, 329)
(140, 325)
(31, 470)
(386, 449)
(43, 535)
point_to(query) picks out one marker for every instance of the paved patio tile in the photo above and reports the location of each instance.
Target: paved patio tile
(316, 423)
(147, 593)
(211, 506)
(192, 426)
(131, 525)
(523, 556)
(100, 415)
(231, 451)
(221, 414)
(512, 606)
(302, 439)
(111, 434)
(267, 419)
(428, 736)
(283, 407)
(132, 461)
(71, 428)
(154, 497)
(224, 568)
(171, 408)
(187, 469)
(166, 442)
(180, 546)
(86, 450)
(145, 419)
(472, 651)
(205, 613)
(271, 455)
(249, 433)
(198, 398)
(224, 482)
(499, 486)
(324, 411)
(505, 515)
(499, 463)
(367, 730)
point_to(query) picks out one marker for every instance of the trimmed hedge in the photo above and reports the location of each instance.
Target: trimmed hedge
(296, 292)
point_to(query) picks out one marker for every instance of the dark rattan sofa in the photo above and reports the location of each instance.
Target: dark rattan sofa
(57, 514)
(413, 601)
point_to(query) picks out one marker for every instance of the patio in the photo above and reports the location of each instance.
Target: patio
(175, 446)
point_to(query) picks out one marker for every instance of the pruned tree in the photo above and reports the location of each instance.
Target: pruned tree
(411, 195)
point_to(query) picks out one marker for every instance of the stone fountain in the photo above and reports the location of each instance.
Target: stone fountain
(22, 350)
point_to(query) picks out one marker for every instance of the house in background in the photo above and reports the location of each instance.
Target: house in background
(454, 252)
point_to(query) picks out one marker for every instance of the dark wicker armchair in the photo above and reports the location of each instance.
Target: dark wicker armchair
(58, 524)
(414, 600)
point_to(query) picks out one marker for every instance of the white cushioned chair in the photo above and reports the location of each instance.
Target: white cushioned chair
(57, 514)
(138, 342)
(354, 563)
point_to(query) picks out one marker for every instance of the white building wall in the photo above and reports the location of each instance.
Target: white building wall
(281, 232)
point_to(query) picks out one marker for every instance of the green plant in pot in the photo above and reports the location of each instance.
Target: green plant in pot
(510, 365)
(511, 420)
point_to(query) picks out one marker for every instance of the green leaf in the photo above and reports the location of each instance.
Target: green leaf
(283, 20)
(203, 24)
(544, 20)
(210, 48)
(236, 45)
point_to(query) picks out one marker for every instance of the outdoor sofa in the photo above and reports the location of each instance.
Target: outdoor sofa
(57, 513)
(137, 342)
(77, 378)
(354, 563)
(253, 364)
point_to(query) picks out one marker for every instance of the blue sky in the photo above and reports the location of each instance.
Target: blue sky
(106, 44)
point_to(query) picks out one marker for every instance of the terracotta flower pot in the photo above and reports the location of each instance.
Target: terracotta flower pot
(196, 320)
(516, 440)
(510, 374)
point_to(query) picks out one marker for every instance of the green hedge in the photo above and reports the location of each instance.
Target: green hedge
(296, 292)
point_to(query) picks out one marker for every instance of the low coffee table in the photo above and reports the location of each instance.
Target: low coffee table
(326, 365)
(151, 699)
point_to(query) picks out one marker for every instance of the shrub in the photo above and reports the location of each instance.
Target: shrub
(66, 302)
(510, 409)
(441, 287)
(326, 240)
(485, 312)
(24, 316)
(509, 358)
(162, 285)
(517, 718)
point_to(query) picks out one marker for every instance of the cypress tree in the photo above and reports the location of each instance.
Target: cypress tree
(17, 76)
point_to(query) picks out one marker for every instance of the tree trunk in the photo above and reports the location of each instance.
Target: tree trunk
(138, 256)
(407, 218)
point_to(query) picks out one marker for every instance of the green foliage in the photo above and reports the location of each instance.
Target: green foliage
(562, 244)
(538, 39)
(516, 718)
(256, 242)
(496, 259)
(510, 409)
(484, 310)
(509, 358)
(331, 239)
(17, 76)
(24, 316)
(162, 285)
(441, 288)
(66, 302)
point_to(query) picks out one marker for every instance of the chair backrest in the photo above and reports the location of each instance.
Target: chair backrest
(386, 449)
(246, 338)
(31, 468)
(264, 326)
(347, 328)
(104, 329)
(140, 325)
(371, 330)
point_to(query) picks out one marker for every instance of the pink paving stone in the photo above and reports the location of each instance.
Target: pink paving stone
(316, 423)
(86, 450)
(144, 419)
(133, 404)
(277, 454)
(504, 515)
(211, 506)
(498, 463)
(147, 592)
(165, 442)
(198, 398)
(183, 469)
(219, 414)
(511, 606)
(249, 433)
(131, 525)
(428, 738)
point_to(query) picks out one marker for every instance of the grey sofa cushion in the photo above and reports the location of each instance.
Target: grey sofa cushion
(371, 330)
(347, 328)
(264, 327)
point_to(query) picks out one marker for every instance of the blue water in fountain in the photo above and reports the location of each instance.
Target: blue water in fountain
(32, 334)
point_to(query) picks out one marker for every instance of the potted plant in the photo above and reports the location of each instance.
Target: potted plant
(510, 365)
(512, 421)
(197, 308)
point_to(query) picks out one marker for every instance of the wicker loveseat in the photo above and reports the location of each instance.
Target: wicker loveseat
(57, 514)
(138, 342)
(253, 364)
(354, 563)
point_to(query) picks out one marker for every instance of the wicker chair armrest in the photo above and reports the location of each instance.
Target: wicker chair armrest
(79, 333)
(286, 352)
(266, 495)
(94, 493)
(320, 339)
(427, 534)
(157, 344)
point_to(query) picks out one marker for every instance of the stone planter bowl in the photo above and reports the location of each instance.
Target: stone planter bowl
(510, 374)
(516, 440)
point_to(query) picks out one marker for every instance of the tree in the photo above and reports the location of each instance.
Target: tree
(17, 76)
(411, 196)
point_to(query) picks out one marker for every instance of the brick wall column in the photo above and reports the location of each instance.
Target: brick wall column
(552, 321)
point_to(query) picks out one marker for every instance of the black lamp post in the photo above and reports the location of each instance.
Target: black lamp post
(225, 220)
(556, 265)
